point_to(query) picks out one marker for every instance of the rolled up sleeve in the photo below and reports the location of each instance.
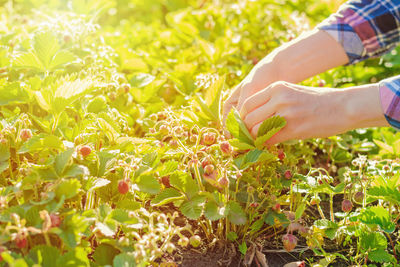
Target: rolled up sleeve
(389, 90)
(365, 28)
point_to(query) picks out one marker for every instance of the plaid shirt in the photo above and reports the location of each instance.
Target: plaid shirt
(370, 28)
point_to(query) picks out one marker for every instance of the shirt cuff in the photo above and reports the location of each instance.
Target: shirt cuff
(389, 90)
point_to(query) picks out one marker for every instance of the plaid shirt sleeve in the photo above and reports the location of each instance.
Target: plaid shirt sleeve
(365, 28)
(370, 28)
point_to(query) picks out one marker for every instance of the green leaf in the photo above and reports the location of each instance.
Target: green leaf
(13, 93)
(148, 183)
(213, 211)
(68, 188)
(27, 60)
(141, 80)
(97, 104)
(328, 226)
(386, 189)
(378, 215)
(124, 260)
(166, 196)
(236, 214)
(243, 248)
(62, 160)
(169, 167)
(300, 210)
(94, 183)
(45, 254)
(373, 240)
(45, 45)
(122, 216)
(268, 129)
(213, 97)
(232, 236)
(40, 142)
(380, 255)
(237, 128)
(193, 208)
(184, 182)
(104, 254)
(128, 204)
(60, 59)
(74, 258)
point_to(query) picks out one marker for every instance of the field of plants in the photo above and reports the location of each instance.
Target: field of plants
(113, 149)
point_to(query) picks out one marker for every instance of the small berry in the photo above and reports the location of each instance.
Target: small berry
(67, 38)
(164, 129)
(281, 155)
(55, 220)
(123, 187)
(288, 174)
(2, 249)
(85, 151)
(195, 241)
(255, 60)
(209, 138)
(276, 207)
(347, 206)
(193, 138)
(21, 242)
(183, 241)
(289, 242)
(173, 144)
(25, 134)
(206, 161)
(254, 204)
(126, 87)
(314, 201)
(321, 83)
(226, 148)
(209, 169)
(223, 182)
(165, 181)
(359, 197)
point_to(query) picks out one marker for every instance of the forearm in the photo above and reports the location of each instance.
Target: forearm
(362, 106)
(308, 55)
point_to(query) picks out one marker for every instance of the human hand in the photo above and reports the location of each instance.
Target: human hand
(313, 112)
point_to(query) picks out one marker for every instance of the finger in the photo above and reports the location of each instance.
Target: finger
(283, 135)
(260, 114)
(254, 102)
(254, 130)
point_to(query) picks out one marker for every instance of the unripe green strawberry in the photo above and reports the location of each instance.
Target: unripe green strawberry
(173, 144)
(209, 169)
(358, 197)
(123, 187)
(25, 134)
(195, 241)
(209, 138)
(183, 241)
(226, 148)
(85, 151)
(289, 242)
(164, 129)
(347, 206)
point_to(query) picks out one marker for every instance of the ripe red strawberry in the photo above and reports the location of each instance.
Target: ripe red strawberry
(226, 148)
(209, 138)
(288, 174)
(55, 220)
(289, 242)
(25, 134)
(281, 155)
(321, 83)
(255, 60)
(85, 150)
(254, 204)
(165, 181)
(358, 197)
(21, 242)
(123, 187)
(209, 169)
(195, 241)
(347, 206)
(276, 207)
(2, 249)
